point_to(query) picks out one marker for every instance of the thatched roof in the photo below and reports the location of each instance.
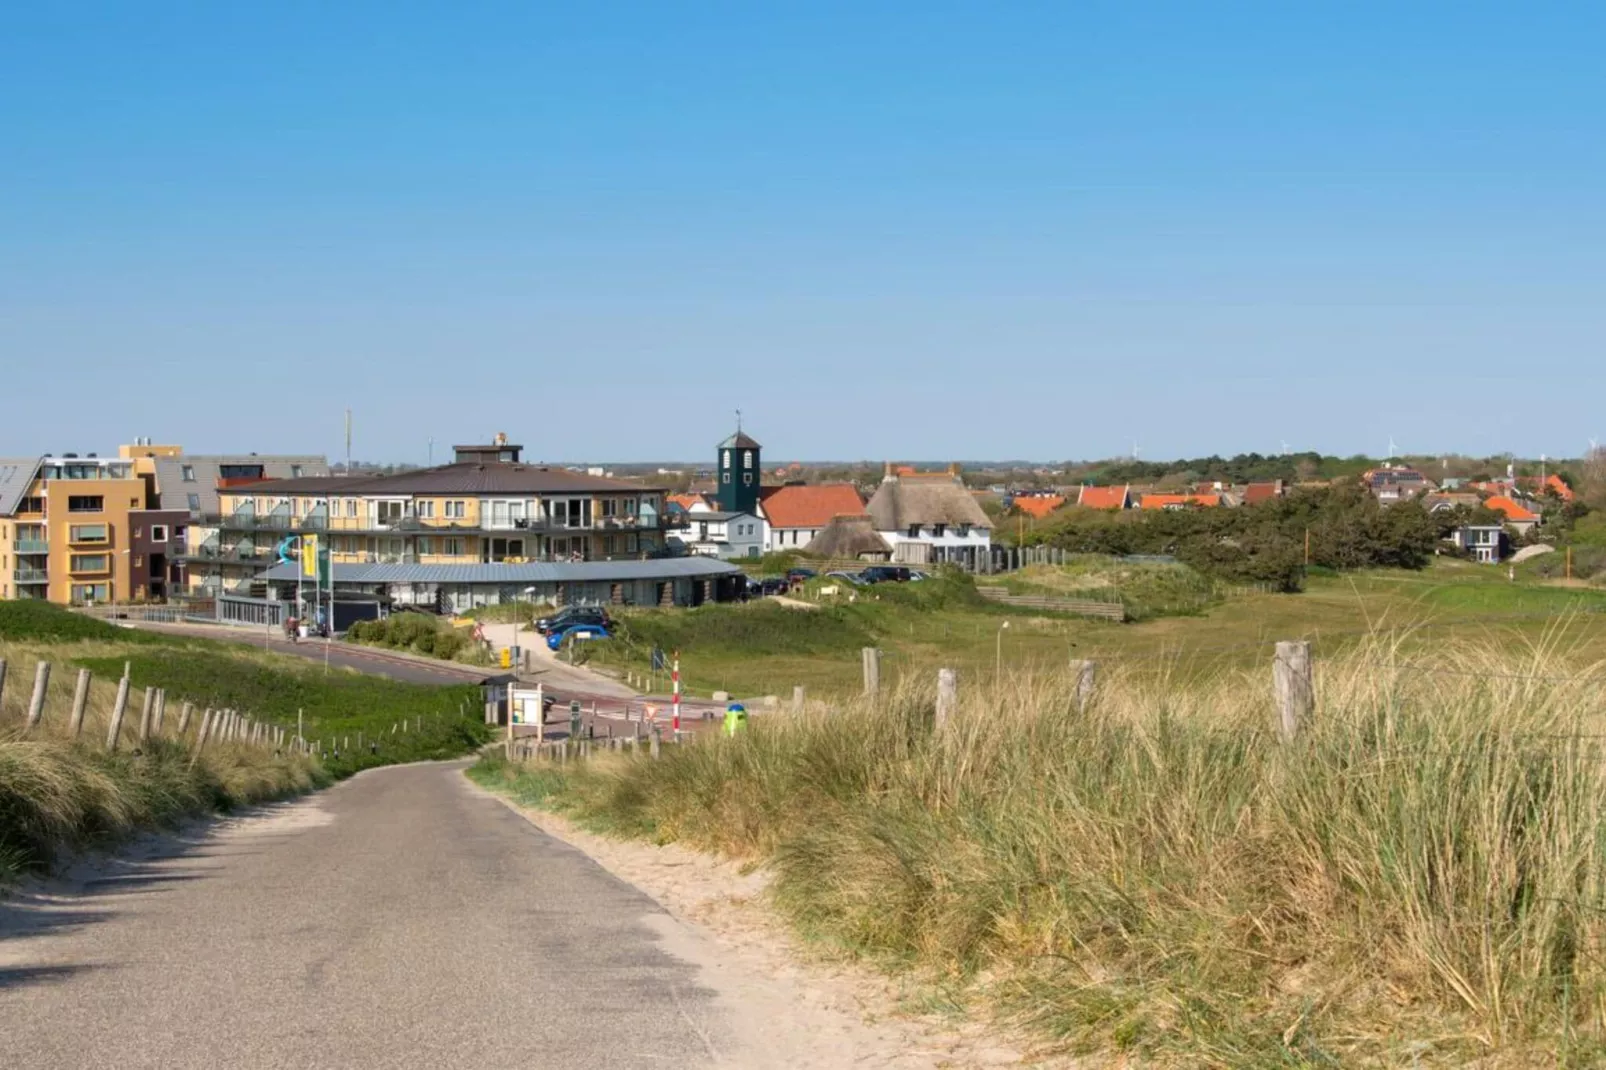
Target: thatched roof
(898, 505)
(849, 536)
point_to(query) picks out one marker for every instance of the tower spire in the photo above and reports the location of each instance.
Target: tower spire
(738, 419)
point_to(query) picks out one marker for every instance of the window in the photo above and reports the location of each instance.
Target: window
(295, 471)
(725, 477)
(610, 507)
(388, 512)
(452, 547)
(426, 510)
(939, 530)
(454, 510)
(90, 562)
(187, 473)
(630, 544)
(747, 458)
(89, 592)
(31, 505)
(351, 507)
(426, 545)
(86, 503)
(195, 503)
(747, 478)
(963, 531)
(88, 533)
(726, 462)
(914, 531)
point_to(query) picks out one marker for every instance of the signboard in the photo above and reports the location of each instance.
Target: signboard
(525, 706)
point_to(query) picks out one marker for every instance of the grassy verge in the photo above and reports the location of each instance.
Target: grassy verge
(1419, 880)
(57, 792)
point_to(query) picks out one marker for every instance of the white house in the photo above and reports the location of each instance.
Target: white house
(795, 513)
(930, 518)
(723, 535)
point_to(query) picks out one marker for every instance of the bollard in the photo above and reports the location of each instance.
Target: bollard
(1084, 671)
(947, 696)
(1293, 685)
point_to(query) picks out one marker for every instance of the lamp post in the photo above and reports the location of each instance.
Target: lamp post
(1002, 628)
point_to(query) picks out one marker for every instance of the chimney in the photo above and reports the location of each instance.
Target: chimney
(953, 469)
(886, 473)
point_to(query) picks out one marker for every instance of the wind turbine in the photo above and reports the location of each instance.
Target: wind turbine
(1392, 447)
(1137, 451)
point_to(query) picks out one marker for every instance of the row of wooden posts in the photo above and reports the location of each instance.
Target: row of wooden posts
(1293, 685)
(214, 725)
(561, 750)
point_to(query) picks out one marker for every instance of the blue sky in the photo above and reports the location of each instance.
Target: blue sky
(881, 230)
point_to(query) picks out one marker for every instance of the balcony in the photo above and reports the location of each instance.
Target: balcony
(230, 553)
(33, 546)
(89, 535)
(31, 575)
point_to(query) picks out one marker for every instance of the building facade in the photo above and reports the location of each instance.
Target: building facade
(487, 507)
(930, 518)
(724, 535)
(66, 529)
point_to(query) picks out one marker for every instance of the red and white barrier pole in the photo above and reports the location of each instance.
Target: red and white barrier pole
(674, 676)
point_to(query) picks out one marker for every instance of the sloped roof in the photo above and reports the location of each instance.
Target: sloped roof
(1039, 505)
(686, 501)
(16, 473)
(795, 506)
(1103, 497)
(531, 572)
(849, 536)
(173, 491)
(1508, 508)
(741, 440)
(897, 505)
(468, 478)
(1173, 501)
(1255, 493)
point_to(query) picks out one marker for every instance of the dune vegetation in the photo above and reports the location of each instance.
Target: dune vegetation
(1419, 878)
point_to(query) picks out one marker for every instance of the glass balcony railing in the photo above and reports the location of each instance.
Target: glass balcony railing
(33, 546)
(31, 575)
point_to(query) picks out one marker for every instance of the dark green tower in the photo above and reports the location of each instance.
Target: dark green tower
(739, 469)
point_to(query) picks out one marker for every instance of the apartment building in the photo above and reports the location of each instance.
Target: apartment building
(67, 530)
(487, 507)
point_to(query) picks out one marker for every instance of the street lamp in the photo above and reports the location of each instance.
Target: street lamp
(1002, 628)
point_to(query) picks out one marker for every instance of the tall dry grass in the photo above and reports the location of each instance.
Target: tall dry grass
(1419, 879)
(56, 792)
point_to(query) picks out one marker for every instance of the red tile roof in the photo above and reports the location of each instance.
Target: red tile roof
(794, 506)
(1039, 505)
(686, 501)
(1256, 493)
(1103, 498)
(1175, 501)
(1509, 508)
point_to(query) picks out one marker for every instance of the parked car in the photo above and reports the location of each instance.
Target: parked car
(846, 577)
(885, 574)
(800, 575)
(775, 585)
(593, 615)
(555, 637)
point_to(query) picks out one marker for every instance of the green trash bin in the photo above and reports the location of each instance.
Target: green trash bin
(735, 718)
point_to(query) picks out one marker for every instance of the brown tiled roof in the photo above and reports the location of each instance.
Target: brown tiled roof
(1256, 493)
(796, 506)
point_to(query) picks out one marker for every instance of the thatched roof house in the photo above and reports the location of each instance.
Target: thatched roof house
(903, 504)
(850, 537)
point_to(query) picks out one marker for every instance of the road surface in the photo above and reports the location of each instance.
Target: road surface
(402, 919)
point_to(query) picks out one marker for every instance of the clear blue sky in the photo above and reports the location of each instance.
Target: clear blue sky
(882, 230)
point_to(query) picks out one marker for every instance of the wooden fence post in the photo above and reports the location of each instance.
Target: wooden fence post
(207, 727)
(1293, 681)
(161, 711)
(80, 699)
(1084, 671)
(36, 706)
(872, 669)
(184, 714)
(947, 696)
(118, 710)
(145, 714)
(657, 734)
(797, 699)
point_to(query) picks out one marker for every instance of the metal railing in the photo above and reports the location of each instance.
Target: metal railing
(31, 575)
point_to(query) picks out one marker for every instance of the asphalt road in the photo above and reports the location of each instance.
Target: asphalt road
(401, 919)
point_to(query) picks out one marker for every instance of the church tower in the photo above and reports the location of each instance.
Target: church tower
(739, 470)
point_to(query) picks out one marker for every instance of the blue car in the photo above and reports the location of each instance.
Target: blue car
(554, 638)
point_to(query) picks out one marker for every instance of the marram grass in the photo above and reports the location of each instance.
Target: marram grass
(1418, 879)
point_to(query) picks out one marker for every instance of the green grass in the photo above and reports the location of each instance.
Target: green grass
(1419, 880)
(57, 792)
(755, 649)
